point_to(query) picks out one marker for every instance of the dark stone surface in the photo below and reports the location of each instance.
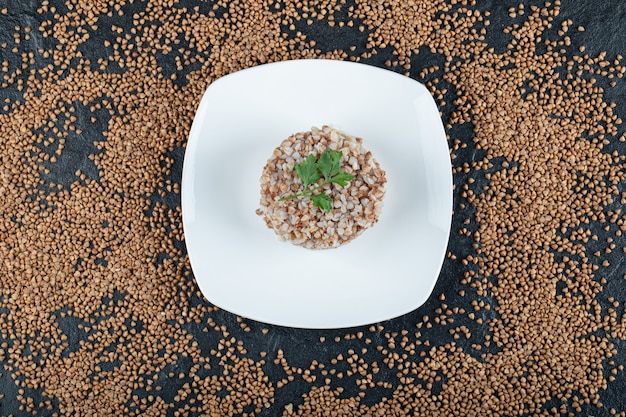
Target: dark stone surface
(605, 30)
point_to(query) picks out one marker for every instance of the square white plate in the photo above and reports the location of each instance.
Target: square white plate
(241, 266)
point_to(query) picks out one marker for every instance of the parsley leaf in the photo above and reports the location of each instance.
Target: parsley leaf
(342, 178)
(329, 163)
(311, 171)
(323, 201)
(307, 171)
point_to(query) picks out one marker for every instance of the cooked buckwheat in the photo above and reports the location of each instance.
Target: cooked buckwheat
(355, 207)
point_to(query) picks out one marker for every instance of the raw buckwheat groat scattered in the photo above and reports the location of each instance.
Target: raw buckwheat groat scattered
(335, 204)
(100, 313)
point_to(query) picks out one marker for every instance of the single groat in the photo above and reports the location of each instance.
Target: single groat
(355, 207)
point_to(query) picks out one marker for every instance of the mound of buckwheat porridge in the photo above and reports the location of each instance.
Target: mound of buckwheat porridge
(321, 189)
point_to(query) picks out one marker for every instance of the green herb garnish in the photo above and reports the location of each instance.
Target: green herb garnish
(311, 171)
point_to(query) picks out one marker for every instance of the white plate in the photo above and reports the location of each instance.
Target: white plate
(241, 266)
